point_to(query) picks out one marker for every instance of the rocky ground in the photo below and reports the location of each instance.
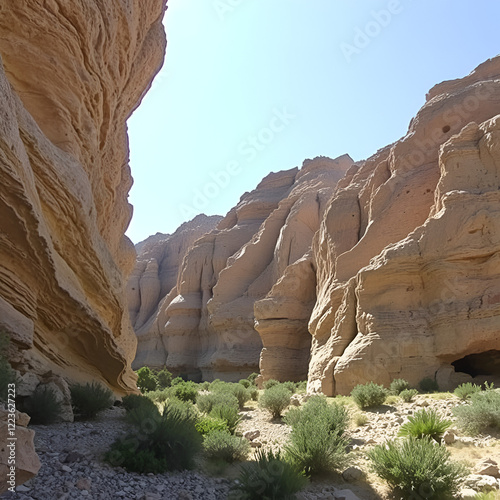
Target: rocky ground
(72, 465)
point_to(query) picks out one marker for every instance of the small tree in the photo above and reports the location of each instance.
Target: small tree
(146, 380)
(164, 378)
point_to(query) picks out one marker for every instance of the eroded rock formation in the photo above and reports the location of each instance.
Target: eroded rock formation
(153, 282)
(70, 75)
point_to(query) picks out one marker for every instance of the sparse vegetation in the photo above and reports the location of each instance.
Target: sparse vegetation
(268, 477)
(275, 399)
(417, 468)
(146, 379)
(369, 395)
(317, 442)
(428, 384)
(425, 423)
(408, 394)
(221, 444)
(481, 411)
(90, 399)
(169, 441)
(398, 385)
(464, 391)
(43, 406)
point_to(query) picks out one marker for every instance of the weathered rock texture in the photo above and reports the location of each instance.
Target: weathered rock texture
(153, 282)
(207, 322)
(407, 253)
(70, 75)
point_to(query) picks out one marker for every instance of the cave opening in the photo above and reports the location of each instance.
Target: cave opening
(485, 364)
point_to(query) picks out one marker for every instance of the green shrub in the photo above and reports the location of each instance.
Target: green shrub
(207, 424)
(254, 393)
(186, 409)
(241, 393)
(268, 477)
(270, 383)
(7, 374)
(90, 399)
(43, 406)
(463, 391)
(205, 386)
(317, 442)
(164, 378)
(369, 395)
(164, 442)
(185, 391)
(425, 423)
(417, 467)
(146, 379)
(158, 396)
(360, 419)
(245, 383)
(301, 386)
(408, 394)
(132, 401)
(206, 402)
(398, 385)
(177, 380)
(252, 377)
(275, 399)
(291, 386)
(491, 495)
(482, 411)
(143, 413)
(221, 444)
(428, 384)
(227, 413)
(215, 383)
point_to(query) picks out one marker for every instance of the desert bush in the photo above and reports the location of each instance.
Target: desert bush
(205, 386)
(417, 468)
(275, 400)
(132, 401)
(176, 380)
(391, 399)
(252, 377)
(301, 386)
(270, 383)
(7, 374)
(428, 384)
(207, 424)
(221, 444)
(146, 379)
(206, 402)
(425, 423)
(43, 406)
(464, 391)
(291, 386)
(317, 442)
(169, 441)
(158, 396)
(245, 383)
(369, 395)
(185, 391)
(408, 394)
(254, 393)
(360, 419)
(227, 413)
(481, 411)
(398, 385)
(90, 399)
(164, 378)
(215, 383)
(268, 477)
(237, 390)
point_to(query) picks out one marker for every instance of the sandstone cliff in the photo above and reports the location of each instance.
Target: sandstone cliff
(152, 285)
(70, 75)
(407, 284)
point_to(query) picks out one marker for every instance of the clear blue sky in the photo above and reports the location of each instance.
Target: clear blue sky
(254, 86)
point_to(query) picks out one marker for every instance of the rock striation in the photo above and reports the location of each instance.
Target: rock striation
(153, 284)
(71, 73)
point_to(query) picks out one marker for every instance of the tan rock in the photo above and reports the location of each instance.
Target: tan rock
(64, 259)
(27, 463)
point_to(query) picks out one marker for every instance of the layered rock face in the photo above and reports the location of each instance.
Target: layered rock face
(152, 285)
(406, 256)
(70, 75)
(209, 324)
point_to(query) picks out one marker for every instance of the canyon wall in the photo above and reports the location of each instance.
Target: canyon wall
(71, 73)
